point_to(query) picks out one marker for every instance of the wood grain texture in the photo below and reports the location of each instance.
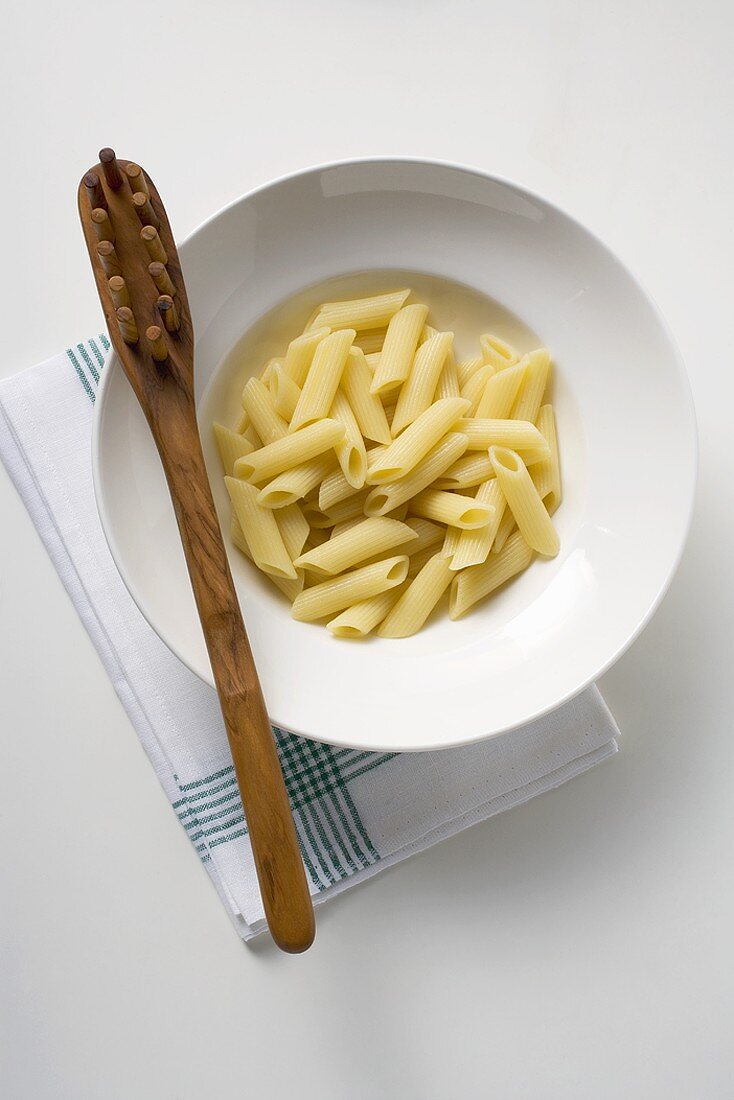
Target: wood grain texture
(166, 394)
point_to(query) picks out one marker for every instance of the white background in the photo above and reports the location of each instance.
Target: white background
(579, 946)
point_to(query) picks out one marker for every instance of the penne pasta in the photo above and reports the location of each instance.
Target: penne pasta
(451, 542)
(284, 392)
(530, 396)
(258, 404)
(362, 618)
(242, 424)
(518, 435)
(416, 562)
(342, 526)
(418, 601)
(292, 450)
(416, 441)
(260, 530)
(506, 528)
(353, 546)
(427, 535)
(416, 395)
(473, 547)
(289, 587)
(496, 352)
(500, 392)
(470, 470)
(300, 353)
(448, 383)
(366, 406)
(334, 489)
(401, 340)
(294, 529)
(231, 446)
(294, 484)
(267, 372)
(372, 359)
(474, 388)
(322, 380)
(335, 594)
(453, 509)
(468, 368)
(384, 498)
(346, 509)
(360, 313)
(350, 449)
(523, 500)
(546, 474)
(370, 342)
(475, 584)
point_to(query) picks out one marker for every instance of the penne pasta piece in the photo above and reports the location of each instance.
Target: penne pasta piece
(292, 450)
(370, 342)
(267, 372)
(500, 392)
(252, 437)
(530, 396)
(292, 485)
(352, 547)
(362, 618)
(284, 392)
(453, 509)
(451, 542)
(470, 470)
(258, 404)
(344, 525)
(468, 368)
(372, 359)
(427, 535)
(366, 406)
(360, 313)
(506, 528)
(317, 535)
(384, 498)
(448, 383)
(231, 446)
(518, 435)
(346, 509)
(416, 441)
(474, 584)
(300, 353)
(289, 587)
(416, 562)
(294, 529)
(496, 352)
(418, 601)
(474, 388)
(333, 490)
(350, 450)
(260, 530)
(473, 547)
(546, 474)
(416, 395)
(522, 498)
(401, 340)
(334, 595)
(242, 424)
(322, 380)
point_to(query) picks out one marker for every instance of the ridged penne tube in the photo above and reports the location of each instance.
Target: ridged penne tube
(292, 485)
(372, 358)
(345, 509)
(334, 595)
(453, 509)
(371, 341)
(334, 489)
(523, 500)
(474, 388)
(473, 546)
(292, 450)
(361, 619)
(401, 340)
(448, 383)
(300, 353)
(472, 585)
(497, 352)
(284, 392)
(366, 406)
(251, 436)
(294, 529)
(289, 587)
(470, 470)
(242, 424)
(352, 547)
(342, 526)
(231, 446)
(451, 542)
(500, 392)
(416, 441)
(416, 395)
(260, 530)
(384, 498)
(350, 450)
(427, 534)
(506, 528)
(258, 404)
(546, 475)
(518, 435)
(360, 313)
(418, 601)
(323, 378)
(267, 372)
(467, 368)
(530, 396)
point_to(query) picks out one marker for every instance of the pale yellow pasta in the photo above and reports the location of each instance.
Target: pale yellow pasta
(470, 470)
(362, 618)
(451, 541)
(350, 450)
(294, 529)
(546, 474)
(242, 424)
(416, 441)
(366, 406)
(322, 380)
(452, 509)
(372, 358)
(497, 352)
(417, 393)
(342, 526)
(231, 446)
(251, 436)
(284, 392)
(401, 340)
(518, 435)
(258, 404)
(474, 388)
(360, 313)
(475, 584)
(300, 353)
(467, 368)
(531, 517)
(418, 601)
(267, 372)
(345, 509)
(506, 528)
(500, 392)
(427, 534)
(335, 594)
(384, 498)
(530, 396)
(294, 484)
(334, 489)
(448, 383)
(371, 342)
(416, 562)
(473, 547)
(260, 530)
(292, 450)
(289, 587)
(353, 546)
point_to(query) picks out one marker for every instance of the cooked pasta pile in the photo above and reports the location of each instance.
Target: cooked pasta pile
(370, 472)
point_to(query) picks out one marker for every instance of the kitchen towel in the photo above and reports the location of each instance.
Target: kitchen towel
(356, 812)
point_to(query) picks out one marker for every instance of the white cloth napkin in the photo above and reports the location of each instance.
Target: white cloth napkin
(356, 812)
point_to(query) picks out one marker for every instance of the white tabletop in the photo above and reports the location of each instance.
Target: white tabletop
(580, 946)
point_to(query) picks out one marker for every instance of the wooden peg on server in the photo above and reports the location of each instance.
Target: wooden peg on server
(111, 169)
(144, 210)
(128, 326)
(136, 179)
(161, 278)
(169, 313)
(158, 349)
(102, 225)
(109, 258)
(153, 243)
(95, 191)
(119, 291)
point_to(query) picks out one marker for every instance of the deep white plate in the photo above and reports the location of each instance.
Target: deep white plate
(625, 421)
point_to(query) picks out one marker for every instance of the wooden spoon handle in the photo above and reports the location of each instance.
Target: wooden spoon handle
(273, 837)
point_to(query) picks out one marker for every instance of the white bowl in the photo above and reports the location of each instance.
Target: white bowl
(626, 429)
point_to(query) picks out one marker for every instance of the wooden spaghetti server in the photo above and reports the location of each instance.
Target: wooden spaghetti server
(138, 274)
